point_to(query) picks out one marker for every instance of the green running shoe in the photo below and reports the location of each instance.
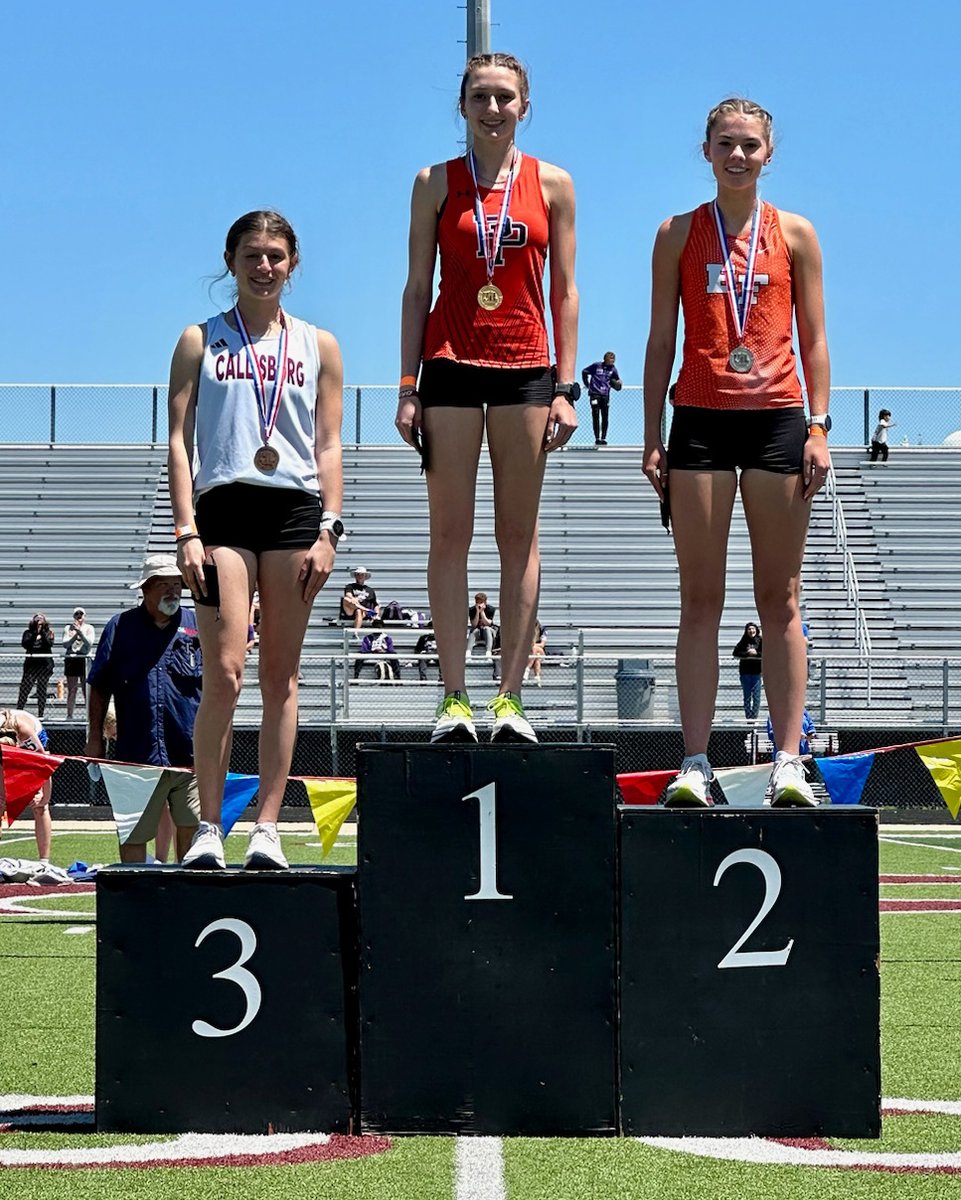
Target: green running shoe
(455, 720)
(510, 724)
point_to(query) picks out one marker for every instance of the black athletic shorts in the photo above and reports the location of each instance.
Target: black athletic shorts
(710, 439)
(448, 384)
(249, 517)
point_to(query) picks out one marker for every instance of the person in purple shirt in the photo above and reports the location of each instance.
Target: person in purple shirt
(599, 378)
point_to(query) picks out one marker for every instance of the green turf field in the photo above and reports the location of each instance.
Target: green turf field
(46, 1050)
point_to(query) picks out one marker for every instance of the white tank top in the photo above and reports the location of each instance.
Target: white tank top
(227, 428)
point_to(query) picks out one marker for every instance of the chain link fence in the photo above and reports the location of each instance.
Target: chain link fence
(137, 413)
(631, 703)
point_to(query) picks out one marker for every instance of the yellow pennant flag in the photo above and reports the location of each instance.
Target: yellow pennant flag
(943, 760)
(330, 801)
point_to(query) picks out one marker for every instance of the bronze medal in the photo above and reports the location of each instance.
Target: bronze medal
(490, 297)
(266, 459)
(741, 360)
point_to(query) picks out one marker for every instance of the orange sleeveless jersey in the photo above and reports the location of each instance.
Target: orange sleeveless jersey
(706, 379)
(514, 335)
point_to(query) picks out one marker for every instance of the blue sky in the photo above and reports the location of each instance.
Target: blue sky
(135, 134)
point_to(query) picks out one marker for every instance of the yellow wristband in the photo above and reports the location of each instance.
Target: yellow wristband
(817, 431)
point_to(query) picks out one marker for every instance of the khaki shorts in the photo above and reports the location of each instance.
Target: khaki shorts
(177, 790)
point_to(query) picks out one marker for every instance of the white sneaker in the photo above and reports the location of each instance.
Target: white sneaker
(510, 723)
(692, 786)
(263, 850)
(455, 720)
(206, 851)
(789, 786)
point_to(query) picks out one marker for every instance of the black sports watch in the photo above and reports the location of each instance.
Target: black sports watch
(571, 390)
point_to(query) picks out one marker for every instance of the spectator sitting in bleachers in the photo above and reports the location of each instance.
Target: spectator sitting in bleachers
(538, 650)
(480, 624)
(426, 645)
(380, 646)
(359, 602)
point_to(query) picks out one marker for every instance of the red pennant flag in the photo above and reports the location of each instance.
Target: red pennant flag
(24, 774)
(644, 787)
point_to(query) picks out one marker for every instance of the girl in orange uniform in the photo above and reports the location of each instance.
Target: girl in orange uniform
(742, 271)
(495, 215)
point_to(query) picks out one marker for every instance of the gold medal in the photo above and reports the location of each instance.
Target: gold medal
(266, 459)
(490, 296)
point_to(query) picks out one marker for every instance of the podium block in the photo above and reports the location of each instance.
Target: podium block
(226, 1000)
(749, 984)
(487, 901)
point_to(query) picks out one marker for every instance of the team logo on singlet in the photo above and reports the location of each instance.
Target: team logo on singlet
(717, 281)
(515, 236)
(237, 366)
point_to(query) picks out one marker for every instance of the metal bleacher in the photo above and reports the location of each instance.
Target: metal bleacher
(880, 582)
(75, 523)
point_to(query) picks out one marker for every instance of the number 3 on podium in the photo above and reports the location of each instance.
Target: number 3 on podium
(237, 973)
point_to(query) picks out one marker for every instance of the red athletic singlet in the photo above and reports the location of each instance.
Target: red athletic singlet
(514, 335)
(707, 380)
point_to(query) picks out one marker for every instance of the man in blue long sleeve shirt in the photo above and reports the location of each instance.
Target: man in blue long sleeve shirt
(599, 378)
(149, 661)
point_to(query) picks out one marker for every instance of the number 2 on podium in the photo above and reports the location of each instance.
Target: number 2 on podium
(486, 798)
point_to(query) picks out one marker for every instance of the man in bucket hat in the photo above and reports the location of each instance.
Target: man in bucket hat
(149, 662)
(359, 601)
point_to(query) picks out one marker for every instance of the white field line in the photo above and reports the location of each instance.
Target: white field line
(479, 1163)
(923, 845)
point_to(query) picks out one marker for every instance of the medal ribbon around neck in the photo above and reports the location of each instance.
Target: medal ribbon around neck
(268, 410)
(740, 307)
(490, 242)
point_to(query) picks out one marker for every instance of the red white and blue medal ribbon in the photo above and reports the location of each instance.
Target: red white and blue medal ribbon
(268, 410)
(740, 306)
(489, 241)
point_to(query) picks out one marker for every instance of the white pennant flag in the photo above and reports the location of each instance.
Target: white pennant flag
(744, 787)
(129, 790)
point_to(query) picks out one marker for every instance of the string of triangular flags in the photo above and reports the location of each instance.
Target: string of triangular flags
(130, 786)
(844, 776)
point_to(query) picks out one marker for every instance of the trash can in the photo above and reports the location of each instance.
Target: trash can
(635, 688)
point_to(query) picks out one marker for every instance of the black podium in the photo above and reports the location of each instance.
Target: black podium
(487, 899)
(226, 1000)
(749, 972)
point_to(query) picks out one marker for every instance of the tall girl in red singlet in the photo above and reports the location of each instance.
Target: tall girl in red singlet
(738, 408)
(495, 215)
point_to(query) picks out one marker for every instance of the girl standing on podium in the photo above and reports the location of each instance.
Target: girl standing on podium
(260, 392)
(742, 271)
(494, 215)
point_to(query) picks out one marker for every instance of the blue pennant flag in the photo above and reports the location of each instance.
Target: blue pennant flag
(845, 776)
(238, 792)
